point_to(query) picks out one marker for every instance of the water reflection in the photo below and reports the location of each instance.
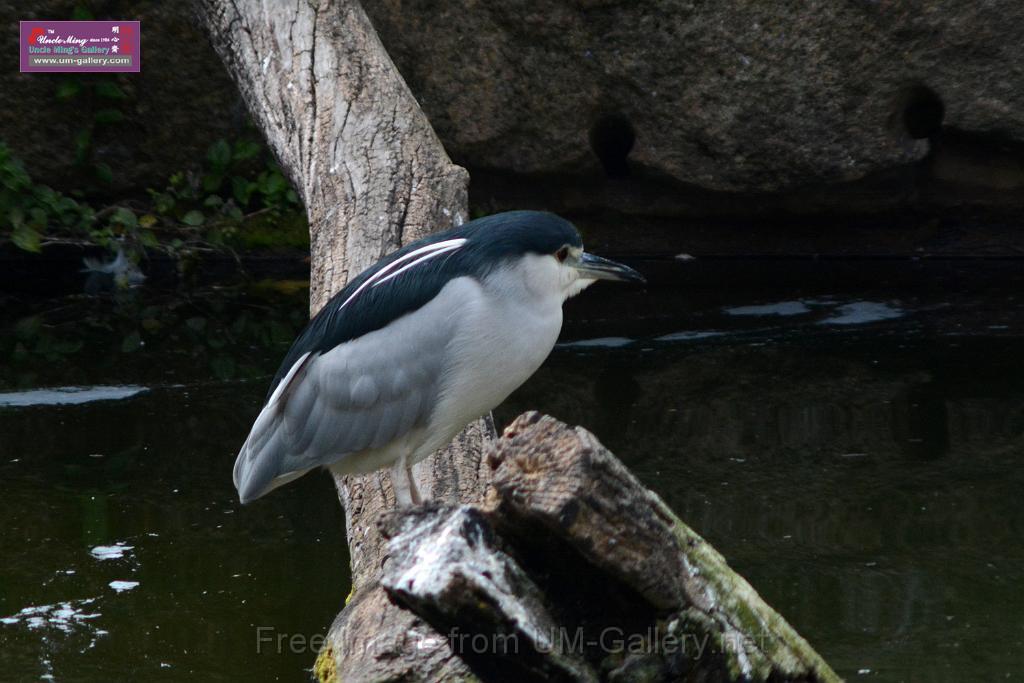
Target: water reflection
(125, 511)
(865, 477)
(868, 487)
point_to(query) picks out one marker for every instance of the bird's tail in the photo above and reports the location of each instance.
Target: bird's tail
(263, 463)
(256, 467)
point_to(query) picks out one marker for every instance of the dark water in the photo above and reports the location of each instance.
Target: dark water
(848, 435)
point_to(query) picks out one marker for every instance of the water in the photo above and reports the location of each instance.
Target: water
(151, 475)
(849, 440)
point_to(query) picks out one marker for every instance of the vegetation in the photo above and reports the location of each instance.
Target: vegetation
(237, 198)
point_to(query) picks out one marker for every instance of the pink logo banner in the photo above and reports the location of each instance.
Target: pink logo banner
(79, 46)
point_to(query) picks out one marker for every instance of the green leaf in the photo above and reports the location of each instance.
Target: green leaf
(80, 13)
(246, 149)
(24, 237)
(110, 90)
(86, 215)
(37, 218)
(272, 183)
(45, 195)
(108, 116)
(219, 155)
(194, 218)
(13, 175)
(103, 233)
(242, 189)
(163, 202)
(125, 217)
(148, 239)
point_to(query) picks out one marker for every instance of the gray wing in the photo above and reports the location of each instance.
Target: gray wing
(358, 396)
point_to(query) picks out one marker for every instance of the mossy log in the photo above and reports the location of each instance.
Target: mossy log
(566, 569)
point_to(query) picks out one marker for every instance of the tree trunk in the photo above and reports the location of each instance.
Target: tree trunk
(373, 176)
(565, 538)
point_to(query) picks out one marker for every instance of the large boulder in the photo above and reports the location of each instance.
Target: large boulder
(736, 96)
(764, 99)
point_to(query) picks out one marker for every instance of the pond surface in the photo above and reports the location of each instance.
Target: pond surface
(848, 435)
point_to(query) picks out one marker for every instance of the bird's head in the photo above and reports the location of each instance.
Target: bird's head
(547, 251)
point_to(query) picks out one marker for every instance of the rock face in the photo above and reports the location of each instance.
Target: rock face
(739, 96)
(747, 96)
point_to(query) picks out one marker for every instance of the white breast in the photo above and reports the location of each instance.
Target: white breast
(506, 329)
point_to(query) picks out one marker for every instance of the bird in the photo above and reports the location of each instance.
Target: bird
(417, 346)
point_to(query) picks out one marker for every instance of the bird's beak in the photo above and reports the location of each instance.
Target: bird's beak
(597, 268)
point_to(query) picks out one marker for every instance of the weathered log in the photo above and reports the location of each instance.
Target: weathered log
(448, 567)
(570, 569)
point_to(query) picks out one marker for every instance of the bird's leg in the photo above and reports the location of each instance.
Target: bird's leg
(414, 492)
(405, 490)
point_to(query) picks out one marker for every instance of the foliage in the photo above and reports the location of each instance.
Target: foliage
(27, 210)
(237, 197)
(238, 187)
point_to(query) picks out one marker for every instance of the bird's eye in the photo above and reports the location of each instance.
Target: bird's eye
(562, 254)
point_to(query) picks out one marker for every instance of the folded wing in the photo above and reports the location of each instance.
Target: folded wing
(336, 406)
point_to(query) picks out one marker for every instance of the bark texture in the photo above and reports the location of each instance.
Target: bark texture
(570, 569)
(344, 126)
(373, 176)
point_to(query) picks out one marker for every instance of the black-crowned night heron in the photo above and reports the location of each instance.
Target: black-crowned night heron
(419, 345)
